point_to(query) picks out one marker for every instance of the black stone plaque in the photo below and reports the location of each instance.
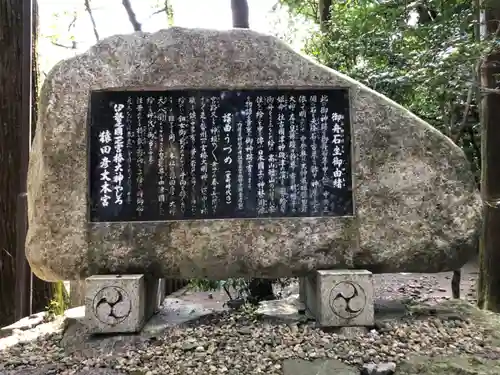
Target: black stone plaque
(219, 154)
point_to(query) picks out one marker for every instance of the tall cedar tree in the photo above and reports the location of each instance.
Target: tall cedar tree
(10, 153)
(489, 253)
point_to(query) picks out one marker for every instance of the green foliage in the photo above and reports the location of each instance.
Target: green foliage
(234, 288)
(422, 55)
(59, 303)
(62, 30)
(237, 288)
(160, 6)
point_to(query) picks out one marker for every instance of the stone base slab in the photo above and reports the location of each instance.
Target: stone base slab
(339, 298)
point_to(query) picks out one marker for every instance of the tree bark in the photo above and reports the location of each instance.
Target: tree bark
(10, 117)
(489, 253)
(10, 153)
(240, 12)
(131, 15)
(324, 13)
(92, 19)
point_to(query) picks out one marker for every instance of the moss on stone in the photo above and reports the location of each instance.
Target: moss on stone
(463, 365)
(457, 365)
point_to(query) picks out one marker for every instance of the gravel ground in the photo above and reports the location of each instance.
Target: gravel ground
(238, 343)
(232, 344)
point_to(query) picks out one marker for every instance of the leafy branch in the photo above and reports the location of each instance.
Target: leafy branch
(475, 83)
(73, 45)
(168, 11)
(419, 57)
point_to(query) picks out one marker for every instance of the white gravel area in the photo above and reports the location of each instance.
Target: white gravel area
(236, 343)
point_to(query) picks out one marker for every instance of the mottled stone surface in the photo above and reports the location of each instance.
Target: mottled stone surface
(339, 298)
(417, 206)
(119, 303)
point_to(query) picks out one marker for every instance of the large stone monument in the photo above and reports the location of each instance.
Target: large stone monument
(201, 153)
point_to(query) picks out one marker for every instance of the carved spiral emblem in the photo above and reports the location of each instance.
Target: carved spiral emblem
(347, 299)
(112, 305)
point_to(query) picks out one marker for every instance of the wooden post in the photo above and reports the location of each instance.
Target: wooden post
(23, 272)
(489, 253)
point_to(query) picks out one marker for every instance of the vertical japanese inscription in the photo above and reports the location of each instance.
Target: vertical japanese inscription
(203, 157)
(227, 149)
(241, 181)
(314, 184)
(130, 147)
(261, 161)
(339, 150)
(303, 154)
(172, 155)
(139, 167)
(162, 122)
(118, 158)
(249, 142)
(325, 157)
(214, 143)
(271, 157)
(193, 173)
(292, 152)
(282, 156)
(182, 124)
(208, 154)
(150, 129)
(104, 166)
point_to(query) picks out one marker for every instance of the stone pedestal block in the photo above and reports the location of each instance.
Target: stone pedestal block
(338, 298)
(120, 303)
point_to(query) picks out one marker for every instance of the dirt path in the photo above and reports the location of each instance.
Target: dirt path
(426, 285)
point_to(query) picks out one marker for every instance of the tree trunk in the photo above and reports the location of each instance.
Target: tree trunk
(10, 155)
(489, 253)
(324, 13)
(10, 118)
(240, 12)
(131, 15)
